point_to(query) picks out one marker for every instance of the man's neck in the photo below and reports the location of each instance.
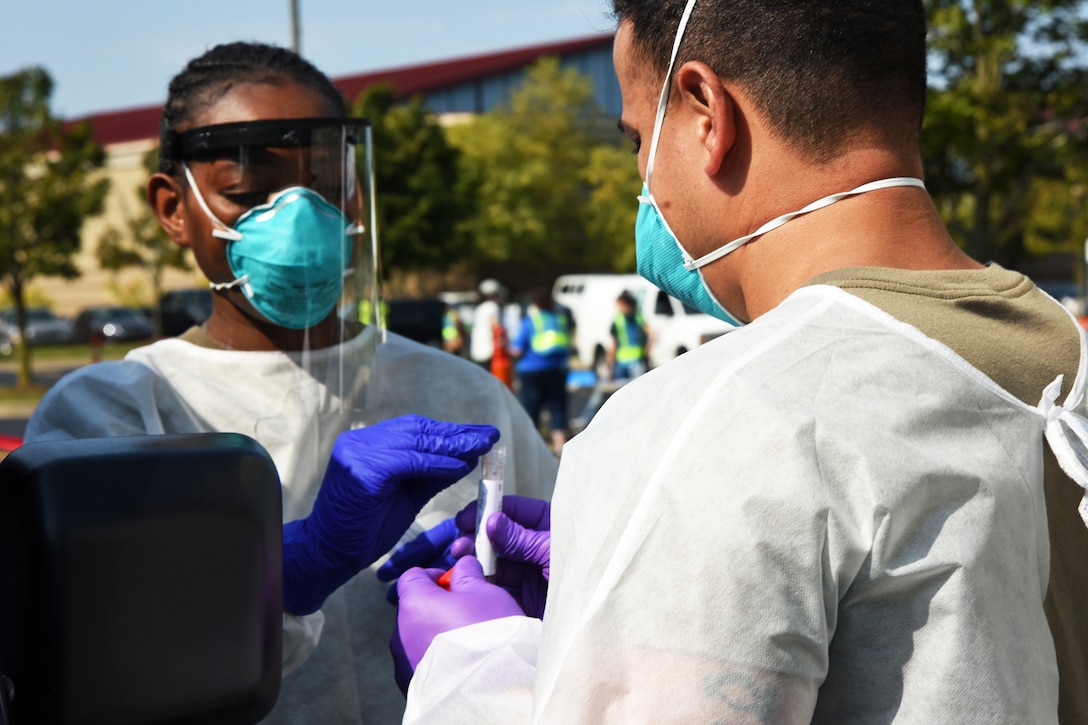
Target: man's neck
(896, 227)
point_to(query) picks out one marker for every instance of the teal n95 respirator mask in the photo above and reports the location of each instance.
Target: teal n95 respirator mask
(663, 260)
(288, 255)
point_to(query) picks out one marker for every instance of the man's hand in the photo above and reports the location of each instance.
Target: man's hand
(426, 610)
(430, 550)
(521, 535)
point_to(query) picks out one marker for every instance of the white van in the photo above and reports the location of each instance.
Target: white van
(591, 299)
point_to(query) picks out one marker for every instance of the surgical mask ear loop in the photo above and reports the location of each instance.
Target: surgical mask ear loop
(223, 231)
(663, 101)
(693, 264)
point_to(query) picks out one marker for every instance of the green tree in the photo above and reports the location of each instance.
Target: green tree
(610, 212)
(1003, 143)
(48, 186)
(142, 243)
(525, 164)
(416, 172)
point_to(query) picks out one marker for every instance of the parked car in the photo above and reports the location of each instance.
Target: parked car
(181, 309)
(111, 324)
(416, 319)
(42, 328)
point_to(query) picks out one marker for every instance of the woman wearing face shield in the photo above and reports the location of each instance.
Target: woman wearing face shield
(258, 178)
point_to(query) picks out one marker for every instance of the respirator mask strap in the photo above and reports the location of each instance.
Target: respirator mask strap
(221, 230)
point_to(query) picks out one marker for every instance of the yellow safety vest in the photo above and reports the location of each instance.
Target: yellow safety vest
(450, 325)
(366, 312)
(550, 334)
(627, 351)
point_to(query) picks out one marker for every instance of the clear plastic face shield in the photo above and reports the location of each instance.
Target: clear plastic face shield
(296, 209)
(293, 202)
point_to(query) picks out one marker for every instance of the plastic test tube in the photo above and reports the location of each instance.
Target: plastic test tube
(489, 501)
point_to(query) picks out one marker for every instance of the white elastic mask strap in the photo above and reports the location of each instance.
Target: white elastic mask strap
(692, 264)
(664, 100)
(223, 231)
(242, 281)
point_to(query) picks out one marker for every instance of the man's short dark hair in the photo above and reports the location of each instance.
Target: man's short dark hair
(820, 72)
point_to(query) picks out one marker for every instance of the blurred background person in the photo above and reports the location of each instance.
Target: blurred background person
(486, 318)
(502, 366)
(454, 337)
(628, 356)
(542, 347)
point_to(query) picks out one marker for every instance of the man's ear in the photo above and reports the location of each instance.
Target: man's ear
(702, 92)
(167, 198)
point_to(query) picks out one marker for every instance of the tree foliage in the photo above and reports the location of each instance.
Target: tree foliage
(549, 195)
(142, 243)
(1003, 144)
(48, 186)
(416, 182)
(613, 180)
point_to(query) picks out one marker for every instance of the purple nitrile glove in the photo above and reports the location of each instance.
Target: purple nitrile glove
(430, 550)
(377, 480)
(426, 610)
(521, 534)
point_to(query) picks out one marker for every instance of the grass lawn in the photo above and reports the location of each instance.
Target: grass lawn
(77, 354)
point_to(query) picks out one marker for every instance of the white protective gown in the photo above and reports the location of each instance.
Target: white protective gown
(824, 516)
(173, 386)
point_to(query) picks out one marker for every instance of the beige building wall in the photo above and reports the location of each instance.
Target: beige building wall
(96, 286)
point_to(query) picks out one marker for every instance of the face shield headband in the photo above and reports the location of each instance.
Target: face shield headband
(203, 141)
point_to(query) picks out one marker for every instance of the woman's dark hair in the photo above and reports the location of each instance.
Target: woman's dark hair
(211, 76)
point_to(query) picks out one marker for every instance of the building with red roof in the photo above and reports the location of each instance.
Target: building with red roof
(473, 84)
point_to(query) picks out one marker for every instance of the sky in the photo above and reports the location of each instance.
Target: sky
(109, 55)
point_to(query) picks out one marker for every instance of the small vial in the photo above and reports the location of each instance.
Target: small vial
(489, 501)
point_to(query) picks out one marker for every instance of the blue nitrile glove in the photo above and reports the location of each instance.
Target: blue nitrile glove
(430, 550)
(521, 535)
(377, 480)
(426, 610)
